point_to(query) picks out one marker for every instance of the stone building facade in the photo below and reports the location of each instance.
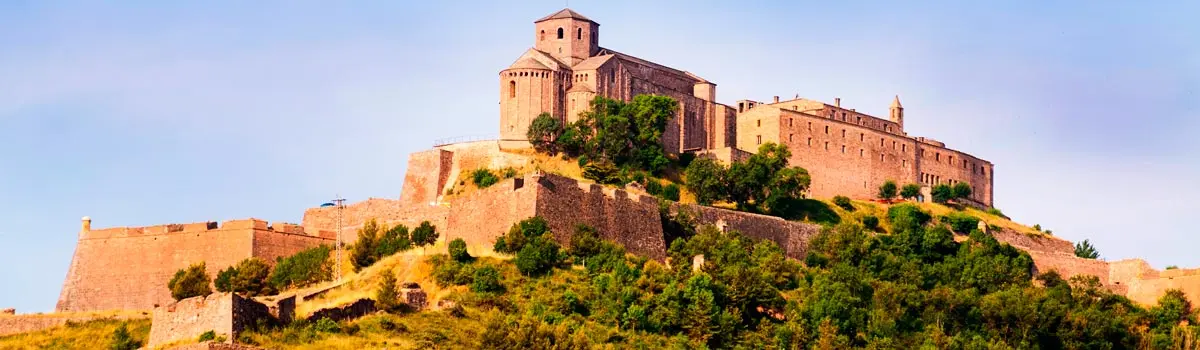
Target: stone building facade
(846, 152)
(567, 68)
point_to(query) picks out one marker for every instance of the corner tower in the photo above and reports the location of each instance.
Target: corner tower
(567, 36)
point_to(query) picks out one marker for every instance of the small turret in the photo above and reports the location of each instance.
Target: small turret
(897, 112)
(87, 224)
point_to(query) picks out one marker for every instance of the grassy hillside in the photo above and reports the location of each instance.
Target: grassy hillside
(84, 335)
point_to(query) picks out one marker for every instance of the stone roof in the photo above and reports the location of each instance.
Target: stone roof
(591, 63)
(580, 87)
(528, 63)
(896, 102)
(565, 13)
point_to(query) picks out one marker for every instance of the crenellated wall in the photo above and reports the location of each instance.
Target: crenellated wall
(128, 268)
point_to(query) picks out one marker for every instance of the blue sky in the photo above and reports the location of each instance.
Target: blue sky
(144, 113)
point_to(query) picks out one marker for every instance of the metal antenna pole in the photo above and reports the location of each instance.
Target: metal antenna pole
(338, 245)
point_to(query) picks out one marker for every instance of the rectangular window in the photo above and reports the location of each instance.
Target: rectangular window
(893, 144)
(904, 163)
(789, 122)
(937, 156)
(790, 139)
(758, 139)
(861, 137)
(809, 126)
(903, 148)
(826, 145)
(843, 149)
(880, 142)
(861, 153)
(843, 133)
(760, 122)
(810, 141)
(827, 129)
(881, 157)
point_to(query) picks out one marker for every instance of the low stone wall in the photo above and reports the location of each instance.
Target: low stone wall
(793, 237)
(208, 345)
(223, 313)
(359, 308)
(628, 219)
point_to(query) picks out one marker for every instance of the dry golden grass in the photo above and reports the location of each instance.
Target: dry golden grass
(95, 334)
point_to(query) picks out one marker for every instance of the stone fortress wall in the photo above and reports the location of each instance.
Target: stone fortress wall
(851, 153)
(127, 268)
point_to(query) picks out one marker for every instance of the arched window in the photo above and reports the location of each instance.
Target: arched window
(579, 33)
(542, 36)
(512, 88)
(560, 33)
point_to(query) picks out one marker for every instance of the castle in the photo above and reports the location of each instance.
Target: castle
(128, 268)
(567, 68)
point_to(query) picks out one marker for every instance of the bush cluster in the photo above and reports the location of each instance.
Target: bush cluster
(533, 244)
(192, 281)
(843, 202)
(763, 182)
(248, 277)
(960, 222)
(377, 241)
(612, 134)
(304, 268)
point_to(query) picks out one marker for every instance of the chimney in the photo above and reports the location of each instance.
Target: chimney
(776, 99)
(837, 101)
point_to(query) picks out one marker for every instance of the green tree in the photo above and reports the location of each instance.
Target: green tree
(192, 281)
(249, 277)
(751, 180)
(705, 177)
(961, 190)
(942, 193)
(910, 191)
(887, 191)
(394, 240)
(363, 253)
(387, 298)
(1086, 250)
(544, 131)
(224, 280)
(538, 256)
(424, 234)
(458, 250)
(303, 268)
(122, 340)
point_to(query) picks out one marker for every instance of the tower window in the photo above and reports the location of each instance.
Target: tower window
(579, 33)
(512, 88)
(810, 141)
(759, 122)
(758, 139)
(560, 33)
(542, 35)
(827, 129)
(861, 153)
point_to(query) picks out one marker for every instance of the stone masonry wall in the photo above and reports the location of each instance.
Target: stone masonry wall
(793, 237)
(128, 268)
(429, 171)
(630, 220)
(223, 313)
(488, 213)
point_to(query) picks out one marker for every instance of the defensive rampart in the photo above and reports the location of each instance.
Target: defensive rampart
(128, 268)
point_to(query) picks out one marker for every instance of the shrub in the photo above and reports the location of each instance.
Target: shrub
(960, 222)
(303, 268)
(870, 222)
(508, 173)
(961, 190)
(520, 233)
(538, 256)
(671, 192)
(248, 277)
(190, 282)
(458, 250)
(207, 336)
(122, 340)
(486, 280)
(843, 202)
(887, 190)
(942, 193)
(386, 297)
(996, 212)
(484, 178)
(907, 217)
(639, 177)
(583, 161)
(394, 240)
(451, 273)
(602, 172)
(424, 234)
(1171, 267)
(910, 191)
(653, 187)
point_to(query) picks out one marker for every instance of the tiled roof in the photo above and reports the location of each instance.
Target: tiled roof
(565, 13)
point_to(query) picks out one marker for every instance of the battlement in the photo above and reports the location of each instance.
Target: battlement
(196, 227)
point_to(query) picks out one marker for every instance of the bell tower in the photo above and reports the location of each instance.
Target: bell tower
(567, 36)
(897, 112)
